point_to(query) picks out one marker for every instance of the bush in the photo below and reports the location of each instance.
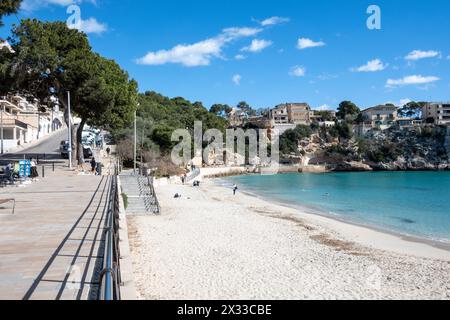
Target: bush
(290, 139)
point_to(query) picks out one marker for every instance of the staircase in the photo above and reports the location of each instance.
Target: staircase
(194, 174)
(140, 193)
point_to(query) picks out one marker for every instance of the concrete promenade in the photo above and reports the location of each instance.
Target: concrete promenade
(51, 248)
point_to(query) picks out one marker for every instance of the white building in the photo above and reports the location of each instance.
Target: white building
(22, 122)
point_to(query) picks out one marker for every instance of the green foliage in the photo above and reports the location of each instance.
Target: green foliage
(347, 109)
(8, 7)
(51, 58)
(386, 152)
(220, 109)
(410, 110)
(326, 115)
(246, 108)
(159, 116)
(338, 149)
(341, 130)
(289, 140)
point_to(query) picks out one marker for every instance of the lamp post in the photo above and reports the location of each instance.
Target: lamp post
(135, 141)
(69, 150)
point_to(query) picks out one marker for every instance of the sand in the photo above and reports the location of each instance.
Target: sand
(212, 245)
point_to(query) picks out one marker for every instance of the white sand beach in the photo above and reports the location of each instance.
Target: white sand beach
(212, 245)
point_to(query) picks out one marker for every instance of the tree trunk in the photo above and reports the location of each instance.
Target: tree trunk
(80, 142)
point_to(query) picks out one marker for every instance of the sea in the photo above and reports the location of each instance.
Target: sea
(408, 203)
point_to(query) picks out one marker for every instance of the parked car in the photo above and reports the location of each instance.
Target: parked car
(64, 149)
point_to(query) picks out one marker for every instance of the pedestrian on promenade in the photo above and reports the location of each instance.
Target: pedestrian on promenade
(108, 151)
(9, 172)
(33, 169)
(93, 165)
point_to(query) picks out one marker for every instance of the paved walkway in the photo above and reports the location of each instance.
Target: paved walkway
(51, 247)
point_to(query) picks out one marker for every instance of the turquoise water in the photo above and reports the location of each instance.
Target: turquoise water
(410, 203)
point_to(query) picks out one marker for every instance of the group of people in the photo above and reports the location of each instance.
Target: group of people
(10, 173)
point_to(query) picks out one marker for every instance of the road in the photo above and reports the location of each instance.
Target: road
(48, 149)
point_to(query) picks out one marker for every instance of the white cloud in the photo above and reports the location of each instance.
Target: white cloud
(31, 5)
(410, 80)
(448, 57)
(240, 57)
(199, 53)
(237, 79)
(304, 43)
(404, 102)
(418, 54)
(235, 33)
(297, 71)
(257, 45)
(323, 107)
(371, 66)
(273, 21)
(5, 44)
(90, 25)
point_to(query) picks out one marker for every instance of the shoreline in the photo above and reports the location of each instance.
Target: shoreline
(209, 244)
(348, 228)
(318, 212)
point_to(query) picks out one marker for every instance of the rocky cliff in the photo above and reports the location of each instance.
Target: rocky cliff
(418, 148)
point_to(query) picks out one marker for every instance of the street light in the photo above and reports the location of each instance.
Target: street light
(69, 150)
(135, 140)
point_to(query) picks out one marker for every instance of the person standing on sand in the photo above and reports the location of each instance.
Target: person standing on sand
(235, 188)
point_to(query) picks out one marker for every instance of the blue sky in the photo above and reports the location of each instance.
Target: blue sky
(270, 52)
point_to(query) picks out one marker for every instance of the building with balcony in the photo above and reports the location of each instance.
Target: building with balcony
(22, 122)
(439, 112)
(291, 113)
(381, 117)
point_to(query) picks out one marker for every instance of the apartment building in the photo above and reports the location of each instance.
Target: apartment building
(21, 122)
(292, 113)
(237, 118)
(381, 116)
(438, 111)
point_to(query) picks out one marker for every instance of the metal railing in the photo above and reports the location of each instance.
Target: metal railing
(194, 174)
(110, 278)
(155, 205)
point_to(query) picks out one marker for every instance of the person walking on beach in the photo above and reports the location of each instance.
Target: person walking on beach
(235, 188)
(93, 165)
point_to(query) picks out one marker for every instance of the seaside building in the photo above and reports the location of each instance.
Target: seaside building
(237, 118)
(291, 113)
(326, 124)
(408, 122)
(261, 122)
(381, 117)
(438, 111)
